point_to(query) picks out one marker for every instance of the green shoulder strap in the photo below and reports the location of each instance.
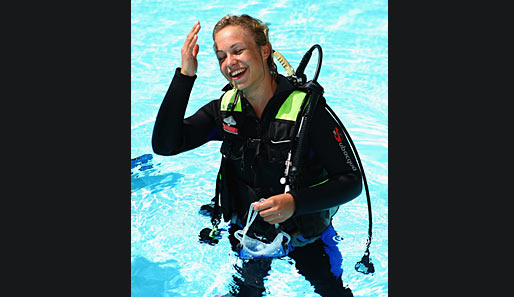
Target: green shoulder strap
(291, 106)
(228, 99)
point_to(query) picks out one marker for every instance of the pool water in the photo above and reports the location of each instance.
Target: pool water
(167, 258)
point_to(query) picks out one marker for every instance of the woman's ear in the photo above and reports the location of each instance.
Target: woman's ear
(266, 51)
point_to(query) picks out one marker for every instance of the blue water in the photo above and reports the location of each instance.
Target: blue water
(167, 192)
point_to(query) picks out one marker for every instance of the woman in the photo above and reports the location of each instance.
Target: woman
(254, 121)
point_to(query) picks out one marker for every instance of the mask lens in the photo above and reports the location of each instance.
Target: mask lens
(251, 248)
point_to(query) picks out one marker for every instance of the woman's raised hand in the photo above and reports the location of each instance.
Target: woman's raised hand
(190, 51)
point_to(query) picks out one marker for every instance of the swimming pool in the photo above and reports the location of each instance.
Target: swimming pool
(167, 192)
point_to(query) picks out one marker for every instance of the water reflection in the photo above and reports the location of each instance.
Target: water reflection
(154, 278)
(142, 175)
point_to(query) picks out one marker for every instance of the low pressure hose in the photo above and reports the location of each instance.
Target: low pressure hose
(282, 60)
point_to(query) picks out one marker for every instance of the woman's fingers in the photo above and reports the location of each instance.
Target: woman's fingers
(192, 37)
(276, 209)
(190, 51)
(269, 212)
(195, 50)
(194, 30)
(274, 217)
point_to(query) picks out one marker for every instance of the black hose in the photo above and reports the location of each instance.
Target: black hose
(364, 265)
(314, 93)
(305, 60)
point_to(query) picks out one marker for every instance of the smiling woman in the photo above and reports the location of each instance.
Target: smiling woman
(256, 141)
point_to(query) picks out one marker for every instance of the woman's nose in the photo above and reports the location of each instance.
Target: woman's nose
(231, 60)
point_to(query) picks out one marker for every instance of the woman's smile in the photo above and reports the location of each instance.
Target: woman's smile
(237, 74)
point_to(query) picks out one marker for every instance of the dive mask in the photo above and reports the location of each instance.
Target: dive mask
(251, 248)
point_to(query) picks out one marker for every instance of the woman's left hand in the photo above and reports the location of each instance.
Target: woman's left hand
(276, 209)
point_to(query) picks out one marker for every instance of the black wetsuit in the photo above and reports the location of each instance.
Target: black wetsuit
(173, 134)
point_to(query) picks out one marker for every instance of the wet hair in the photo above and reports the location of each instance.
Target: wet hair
(256, 27)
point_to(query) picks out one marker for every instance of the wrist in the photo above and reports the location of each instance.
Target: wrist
(293, 201)
(186, 73)
(179, 75)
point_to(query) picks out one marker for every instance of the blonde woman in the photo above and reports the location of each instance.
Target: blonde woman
(254, 119)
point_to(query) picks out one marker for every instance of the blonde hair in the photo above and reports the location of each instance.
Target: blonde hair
(256, 27)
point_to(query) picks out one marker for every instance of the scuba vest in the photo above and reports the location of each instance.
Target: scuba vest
(257, 158)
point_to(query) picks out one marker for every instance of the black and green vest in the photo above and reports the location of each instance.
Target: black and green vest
(244, 150)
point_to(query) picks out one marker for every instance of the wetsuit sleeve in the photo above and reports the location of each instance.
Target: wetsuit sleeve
(172, 134)
(329, 146)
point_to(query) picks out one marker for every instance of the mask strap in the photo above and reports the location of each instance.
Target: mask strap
(249, 220)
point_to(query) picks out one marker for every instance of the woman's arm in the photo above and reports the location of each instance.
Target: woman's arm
(331, 148)
(172, 134)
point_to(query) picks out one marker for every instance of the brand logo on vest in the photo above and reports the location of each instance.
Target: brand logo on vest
(336, 135)
(339, 140)
(227, 123)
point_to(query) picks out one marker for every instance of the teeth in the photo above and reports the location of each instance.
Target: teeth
(237, 72)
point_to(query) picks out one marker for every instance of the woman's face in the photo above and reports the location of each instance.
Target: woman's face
(241, 61)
